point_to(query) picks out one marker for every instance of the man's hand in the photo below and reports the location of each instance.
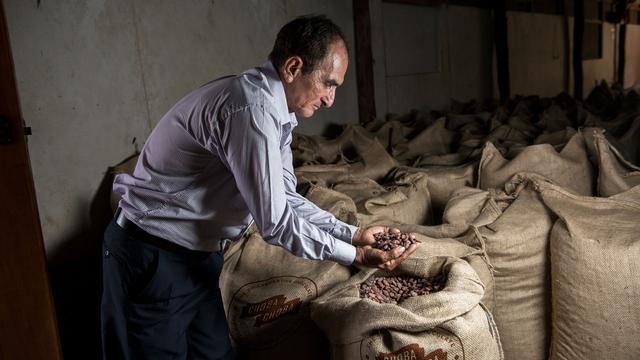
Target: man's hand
(366, 255)
(364, 237)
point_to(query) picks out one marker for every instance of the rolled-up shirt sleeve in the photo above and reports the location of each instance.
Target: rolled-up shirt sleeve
(250, 144)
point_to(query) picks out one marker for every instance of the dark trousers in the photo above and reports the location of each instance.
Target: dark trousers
(160, 302)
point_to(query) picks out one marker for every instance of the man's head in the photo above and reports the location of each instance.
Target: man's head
(311, 56)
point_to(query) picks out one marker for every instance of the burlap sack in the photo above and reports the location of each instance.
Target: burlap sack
(449, 323)
(558, 138)
(628, 144)
(360, 189)
(601, 100)
(406, 200)
(414, 119)
(505, 137)
(465, 246)
(516, 244)
(471, 206)
(457, 121)
(337, 203)
(622, 132)
(616, 126)
(570, 168)
(463, 156)
(554, 119)
(323, 175)
(470, 139)
(442, 181)
(594, 267)
(434, 140)
(303, 148)
(266, 293)
(315, 149)
(358, 155)
(615, 174)
(389, 133)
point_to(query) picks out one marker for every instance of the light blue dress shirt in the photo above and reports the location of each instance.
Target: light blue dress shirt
(220, 159)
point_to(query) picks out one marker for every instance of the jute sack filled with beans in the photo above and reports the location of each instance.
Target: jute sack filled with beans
(460, 241)
(622, 131)
(404, 200)
(448, 321)
(358, 154)
(615, 174)
(558, 139)
(434, 140)
(628, 144)
(594, 270)
(337, 203)
(471, 206)
(569, 168)
(266, 293)
(389, 133)
(517, 243)
(359, 189)
(442, 181)
(465, 246)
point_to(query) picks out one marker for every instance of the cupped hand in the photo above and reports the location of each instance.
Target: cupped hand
(367, 256)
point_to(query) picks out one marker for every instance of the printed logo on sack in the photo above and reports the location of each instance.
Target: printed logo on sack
(413, 352)
(442, 345)
(263, 313)
(270, 309)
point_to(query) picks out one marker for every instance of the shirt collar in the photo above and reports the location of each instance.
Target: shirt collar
(277, 89)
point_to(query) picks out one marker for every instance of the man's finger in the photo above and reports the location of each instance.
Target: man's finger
(407, 253)
(395, 253)
(391, 264)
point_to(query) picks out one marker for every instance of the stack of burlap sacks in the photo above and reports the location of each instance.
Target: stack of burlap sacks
(531, 210)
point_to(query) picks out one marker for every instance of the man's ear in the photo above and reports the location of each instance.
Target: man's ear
(292, 68)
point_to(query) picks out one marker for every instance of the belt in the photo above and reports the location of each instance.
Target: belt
(133, 229)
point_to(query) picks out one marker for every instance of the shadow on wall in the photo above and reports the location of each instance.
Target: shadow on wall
(75, 270)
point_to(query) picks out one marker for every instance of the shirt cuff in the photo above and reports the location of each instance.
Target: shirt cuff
(346, 232)
(353, 230)
(343, 253)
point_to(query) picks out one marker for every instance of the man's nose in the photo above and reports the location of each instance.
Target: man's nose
(327, 100)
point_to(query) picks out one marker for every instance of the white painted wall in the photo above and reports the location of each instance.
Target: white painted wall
(93, 75)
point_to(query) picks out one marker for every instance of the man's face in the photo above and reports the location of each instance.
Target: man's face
(307, 93)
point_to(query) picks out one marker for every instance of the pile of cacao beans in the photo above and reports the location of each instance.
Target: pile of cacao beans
(395, 289)
(390, 240)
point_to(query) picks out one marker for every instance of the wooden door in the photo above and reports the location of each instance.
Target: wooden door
(28, 327)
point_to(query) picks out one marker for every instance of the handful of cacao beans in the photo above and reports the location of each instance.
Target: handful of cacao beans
(395, 289)
(390, 240)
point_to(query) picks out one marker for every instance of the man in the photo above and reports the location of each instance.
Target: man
(218, 160)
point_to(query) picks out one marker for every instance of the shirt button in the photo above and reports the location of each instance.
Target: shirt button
(106, 253)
